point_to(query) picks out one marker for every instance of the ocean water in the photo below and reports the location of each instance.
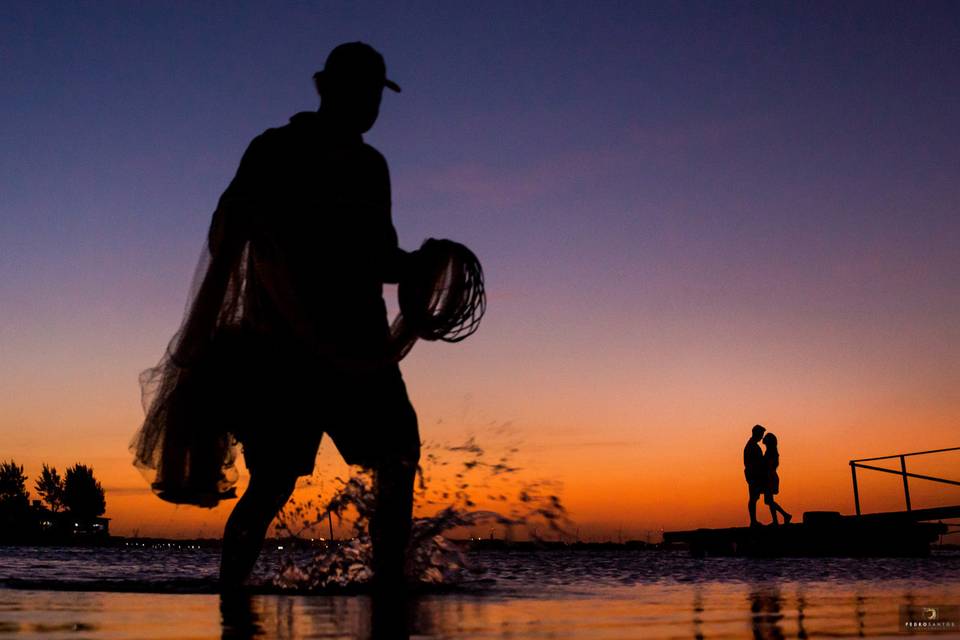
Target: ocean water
(132, 592)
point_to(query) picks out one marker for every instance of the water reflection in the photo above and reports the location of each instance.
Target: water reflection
(860, 609)
(759, 609)
(765, 609)
(238, 618)
(246, 616)
(698, 612)
(771, 611)
(801, 607)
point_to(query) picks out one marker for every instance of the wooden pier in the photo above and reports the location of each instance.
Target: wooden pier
(828, 533)
(824, 533)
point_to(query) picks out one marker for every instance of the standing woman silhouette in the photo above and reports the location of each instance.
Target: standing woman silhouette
(771, 459)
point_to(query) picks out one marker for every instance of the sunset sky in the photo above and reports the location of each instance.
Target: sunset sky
(693, 217)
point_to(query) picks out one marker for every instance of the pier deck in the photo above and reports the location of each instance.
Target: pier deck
(826, 533)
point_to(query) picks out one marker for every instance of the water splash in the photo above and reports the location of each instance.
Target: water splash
(445, 503)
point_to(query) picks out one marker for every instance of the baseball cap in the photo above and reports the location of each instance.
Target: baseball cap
(357, 60)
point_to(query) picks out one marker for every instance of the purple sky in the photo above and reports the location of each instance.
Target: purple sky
(658, 191)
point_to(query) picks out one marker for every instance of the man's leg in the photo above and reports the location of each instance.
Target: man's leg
(752, 505)
(395, 471)
(248, 523)
(390, 525)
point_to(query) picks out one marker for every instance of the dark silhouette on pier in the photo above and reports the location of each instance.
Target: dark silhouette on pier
(760, 470)
(908, 533)
(771, 460)
(287, 335)
(755, 471)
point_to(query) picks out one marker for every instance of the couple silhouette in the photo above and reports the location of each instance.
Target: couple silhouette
(760, 470)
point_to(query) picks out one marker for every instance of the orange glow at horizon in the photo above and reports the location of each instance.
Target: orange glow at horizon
(684, 473)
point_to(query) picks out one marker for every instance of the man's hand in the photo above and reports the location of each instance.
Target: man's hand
(396, 266)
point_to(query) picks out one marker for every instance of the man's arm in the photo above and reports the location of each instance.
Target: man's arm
(239, 202)
(395, 266)
(227, 235)
(393, 260)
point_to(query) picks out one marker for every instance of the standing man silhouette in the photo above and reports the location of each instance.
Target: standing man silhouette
(755, 471)
(312, 202)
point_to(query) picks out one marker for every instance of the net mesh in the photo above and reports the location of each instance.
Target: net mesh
(186, 446)
(441, 297)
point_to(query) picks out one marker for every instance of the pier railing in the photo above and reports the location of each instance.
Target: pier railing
(855, 464)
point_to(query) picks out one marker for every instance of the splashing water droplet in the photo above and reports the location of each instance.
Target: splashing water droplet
(433, 557)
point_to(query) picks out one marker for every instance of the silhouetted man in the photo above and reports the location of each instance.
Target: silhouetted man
(313, 201)
(755, 471)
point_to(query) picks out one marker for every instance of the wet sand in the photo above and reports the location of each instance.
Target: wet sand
(639, 611)
(168, 593)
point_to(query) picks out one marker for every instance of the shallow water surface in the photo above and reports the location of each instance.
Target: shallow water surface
(551, 594)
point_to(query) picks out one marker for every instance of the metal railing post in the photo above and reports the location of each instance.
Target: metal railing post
(859, 462)
(906, 488)
(856, 493)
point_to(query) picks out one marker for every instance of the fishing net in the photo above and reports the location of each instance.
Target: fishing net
(441, 297)
(187, 445)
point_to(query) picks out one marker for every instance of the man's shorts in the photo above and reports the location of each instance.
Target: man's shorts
(281, 405)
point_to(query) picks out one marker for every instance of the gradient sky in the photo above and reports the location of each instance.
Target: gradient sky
(692, 216)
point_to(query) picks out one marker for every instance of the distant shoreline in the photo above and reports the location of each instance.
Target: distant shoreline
(484, 544)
